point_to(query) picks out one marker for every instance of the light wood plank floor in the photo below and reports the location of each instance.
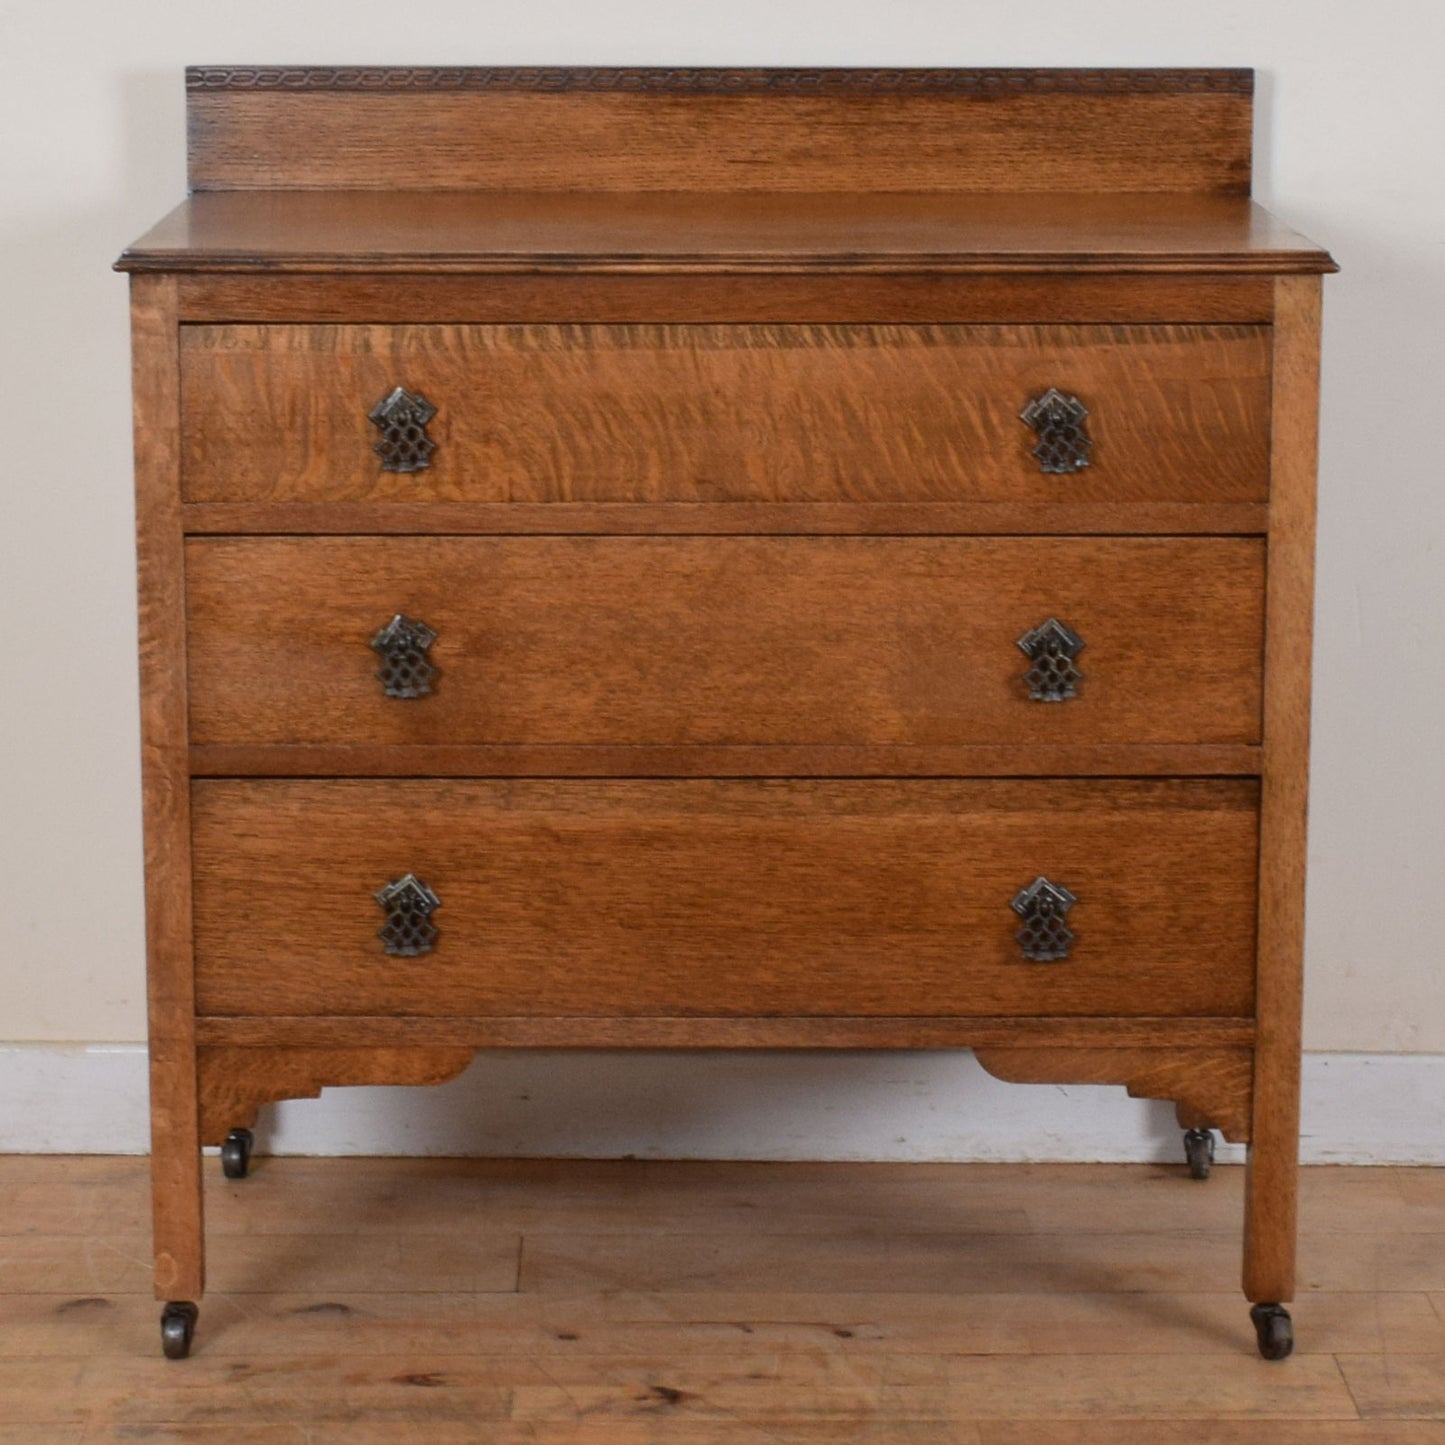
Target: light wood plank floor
(355, 1302)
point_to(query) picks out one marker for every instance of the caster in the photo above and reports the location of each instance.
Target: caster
(1199, 1151)
(1275, 1330)
(178, 1326)
(236, 1154)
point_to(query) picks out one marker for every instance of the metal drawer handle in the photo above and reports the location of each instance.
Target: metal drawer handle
(1063, 444)
(1051, 648)
(402, 417)
(1045, 937)
(401, 645)
(409, 904)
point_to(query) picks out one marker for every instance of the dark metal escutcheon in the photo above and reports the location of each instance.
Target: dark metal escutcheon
(1045, 937)
(1051, 648)
(401, 645)
(401, 417)
(1063, 445)
(409, 904)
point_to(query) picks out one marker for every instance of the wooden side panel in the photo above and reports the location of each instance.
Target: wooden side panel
(677, 641)
(165, 779)
(1273, 1177)
(713, 413)
(1128, 133)
(731, 898)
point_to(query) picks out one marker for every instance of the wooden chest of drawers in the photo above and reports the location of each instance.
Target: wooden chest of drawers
(754, 558)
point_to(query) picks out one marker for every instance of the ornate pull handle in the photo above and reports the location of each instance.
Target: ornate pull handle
(1045, 937)
(401, 645)
(402, 417)
(1051, 648)
(409, 904)
(1063, 444)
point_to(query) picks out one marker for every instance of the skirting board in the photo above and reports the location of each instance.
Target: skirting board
(905, 1107)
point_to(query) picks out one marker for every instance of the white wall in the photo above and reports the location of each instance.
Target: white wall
(1351, 120)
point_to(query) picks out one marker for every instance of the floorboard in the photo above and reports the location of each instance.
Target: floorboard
(644, 1303)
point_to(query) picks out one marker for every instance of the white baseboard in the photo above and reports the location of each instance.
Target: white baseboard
(909, 1107)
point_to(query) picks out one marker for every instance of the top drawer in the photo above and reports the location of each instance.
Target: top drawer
(716, 413)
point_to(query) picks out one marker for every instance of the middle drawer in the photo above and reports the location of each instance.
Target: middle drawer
(725, 640)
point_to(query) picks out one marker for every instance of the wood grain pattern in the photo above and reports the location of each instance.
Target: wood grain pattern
(341, 298)
(1269, 1260)
(912, 1304)
(678, 641)
(534, 413)
(165, 783)
(1408, 1388)
(1351, 1217)
(1095, 131)
(666, 898)
(320, 1031)
(893, 240)
(1059, 517)
(234, 1082)
(710, 760)
(1243, 1431)
(1213, 1084)
(675, 1326)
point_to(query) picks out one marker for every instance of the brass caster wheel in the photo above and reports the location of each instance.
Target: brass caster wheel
(1199, 1151)
(178, 1328)
(236, 1154)
(1275, 1330)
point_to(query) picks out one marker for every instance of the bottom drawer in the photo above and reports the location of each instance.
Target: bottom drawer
(840, 897)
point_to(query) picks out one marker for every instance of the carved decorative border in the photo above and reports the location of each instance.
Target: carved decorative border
(374, 80)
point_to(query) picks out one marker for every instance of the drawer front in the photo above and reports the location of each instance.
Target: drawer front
(725, 898)
(800, 413)
(733, 640)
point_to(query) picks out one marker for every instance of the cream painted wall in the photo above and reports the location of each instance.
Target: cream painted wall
(1351, 121)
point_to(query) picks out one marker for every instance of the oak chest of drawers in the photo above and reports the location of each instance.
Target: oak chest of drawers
(724, 559)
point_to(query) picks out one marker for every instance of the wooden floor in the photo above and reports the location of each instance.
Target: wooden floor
(354, 1302)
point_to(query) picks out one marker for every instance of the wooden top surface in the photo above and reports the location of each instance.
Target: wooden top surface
(469, 169)
(470, 231)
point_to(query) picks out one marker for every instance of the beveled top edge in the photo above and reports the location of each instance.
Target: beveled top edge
(386, 80)
(681, 232)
